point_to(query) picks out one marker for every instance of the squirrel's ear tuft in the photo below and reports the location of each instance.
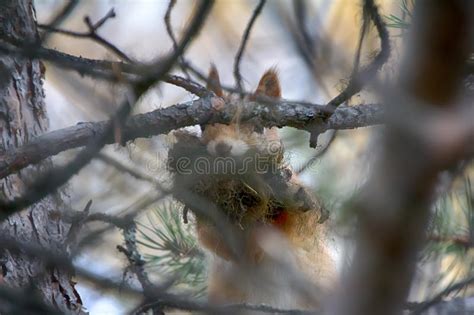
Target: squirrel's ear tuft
(213, 81)
(269, 84)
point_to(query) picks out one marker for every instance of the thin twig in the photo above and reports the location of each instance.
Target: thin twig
(169, 30)
(98, 69)
(60, 17)
(137, 264)
(124, 168)
(123, 217)
(363, 32)
(318, 154)
(135, 173)
(188, 85)
(305, 44)
(197, 306)
(243, 43)
(198, 73)
(359, 79)
(76, 225)
(92, 34)
(424, 306)
(49, 181)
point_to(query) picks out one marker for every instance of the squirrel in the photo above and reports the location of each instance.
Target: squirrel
(286, 261)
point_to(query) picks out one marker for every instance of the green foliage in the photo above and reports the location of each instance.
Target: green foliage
(403, 22)
(451, 233)
(172, 249)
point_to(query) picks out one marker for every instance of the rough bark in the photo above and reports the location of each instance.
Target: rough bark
(198, 112)
(23, 117)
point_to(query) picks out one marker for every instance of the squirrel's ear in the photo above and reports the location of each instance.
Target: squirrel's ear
(269, 84)
(213, 81)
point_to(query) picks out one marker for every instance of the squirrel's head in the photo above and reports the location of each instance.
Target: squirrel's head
(236, 138)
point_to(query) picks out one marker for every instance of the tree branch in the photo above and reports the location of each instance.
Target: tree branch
(98, 69)
(169, 30)
(424, 306)
(49, 181)
(92, 34)
(360, 78)
(243, 43)
(60, 17)
(196, 112)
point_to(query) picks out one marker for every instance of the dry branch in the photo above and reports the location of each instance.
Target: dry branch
(49, 181)
(243, 43)
(198, 112)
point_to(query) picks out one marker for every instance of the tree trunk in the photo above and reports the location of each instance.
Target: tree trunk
(22, 117)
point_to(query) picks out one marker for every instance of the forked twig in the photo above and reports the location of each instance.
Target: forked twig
(50, 180)
(92, 33)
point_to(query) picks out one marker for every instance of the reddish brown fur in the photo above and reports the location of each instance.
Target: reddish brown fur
(213, 81)
(298, 235)
(269, 85)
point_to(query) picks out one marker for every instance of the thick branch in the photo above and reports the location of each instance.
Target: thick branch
(49, 181)
(98, 69)
(197, 112)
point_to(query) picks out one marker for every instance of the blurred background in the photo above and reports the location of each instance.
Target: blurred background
(312, 44)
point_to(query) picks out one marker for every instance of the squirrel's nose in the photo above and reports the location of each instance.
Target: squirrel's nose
(223, 148)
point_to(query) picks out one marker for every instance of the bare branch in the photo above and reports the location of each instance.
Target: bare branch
(92, 34)
(169, 30)
(198, 112)
(120, 222)
(123, 168)
(99, 69)
(60, 17)
(424, 306)
(318, 154)
(359, 79)
(197, 306)
(243, 43)
(52, 179)
(305, 43)
(188, 85)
